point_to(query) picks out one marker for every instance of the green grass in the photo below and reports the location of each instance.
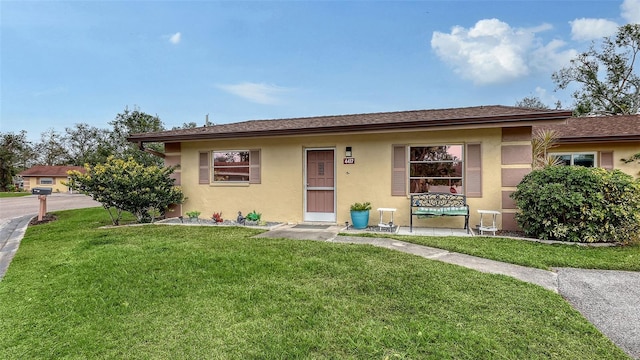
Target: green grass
(156, 292)
(535, 254)
(13, 194)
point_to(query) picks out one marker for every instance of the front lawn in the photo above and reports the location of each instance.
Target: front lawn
(13, 194)
(162, 292)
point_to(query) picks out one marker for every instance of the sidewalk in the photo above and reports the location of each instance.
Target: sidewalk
(11, 233)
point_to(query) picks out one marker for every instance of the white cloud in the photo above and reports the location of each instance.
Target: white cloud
(592, 29)
(492, 51)
(546, 98)
(630, 11)
(255, 92)
(175, 38)
(551, 57)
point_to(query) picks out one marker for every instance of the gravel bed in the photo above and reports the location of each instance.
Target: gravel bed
(211, 222)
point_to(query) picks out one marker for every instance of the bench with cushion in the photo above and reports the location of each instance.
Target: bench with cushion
(439, 204)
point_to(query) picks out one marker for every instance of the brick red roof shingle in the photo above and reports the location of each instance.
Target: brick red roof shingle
(597, 129)
(415, 119)
(52, 171)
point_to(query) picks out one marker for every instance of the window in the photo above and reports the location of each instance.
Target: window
(230, 166)
(577, 159)
(46, 181)
(435, 169)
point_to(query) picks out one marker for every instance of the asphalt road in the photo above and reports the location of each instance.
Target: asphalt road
(15, 214)
(25, 205)
(608, 299)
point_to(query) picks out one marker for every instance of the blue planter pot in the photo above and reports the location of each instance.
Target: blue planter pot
(360, 219)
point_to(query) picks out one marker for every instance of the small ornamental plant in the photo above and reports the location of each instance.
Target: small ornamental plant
(193, 214)
(360, 215)
(254, 216)
(361, 206)
(217, 217)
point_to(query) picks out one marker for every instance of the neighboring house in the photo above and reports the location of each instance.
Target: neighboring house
(312, 169)
(599, 141)
(43, 176)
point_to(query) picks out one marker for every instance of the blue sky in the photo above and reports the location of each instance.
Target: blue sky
(72, 62)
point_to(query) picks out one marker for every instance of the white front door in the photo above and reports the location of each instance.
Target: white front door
(320, 185)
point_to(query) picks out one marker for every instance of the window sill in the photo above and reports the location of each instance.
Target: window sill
(229, 184)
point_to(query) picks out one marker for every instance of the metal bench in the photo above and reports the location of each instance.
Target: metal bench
(429, 205)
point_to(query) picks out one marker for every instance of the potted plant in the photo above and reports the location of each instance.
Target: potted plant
(193, 215)
(360, 215)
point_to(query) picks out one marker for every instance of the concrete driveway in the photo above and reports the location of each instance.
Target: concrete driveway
(25, 205)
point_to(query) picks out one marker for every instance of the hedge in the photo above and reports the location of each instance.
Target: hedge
(578, 204)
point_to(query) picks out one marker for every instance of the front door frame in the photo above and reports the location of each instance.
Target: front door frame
(314, 216)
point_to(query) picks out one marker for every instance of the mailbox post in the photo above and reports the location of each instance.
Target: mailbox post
(42, 196)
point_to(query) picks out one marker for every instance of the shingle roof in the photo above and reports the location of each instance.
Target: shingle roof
(53, 171)
(613, 128)
(477, 115)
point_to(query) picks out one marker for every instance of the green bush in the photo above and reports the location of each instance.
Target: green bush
(578, 204)
(126, 185)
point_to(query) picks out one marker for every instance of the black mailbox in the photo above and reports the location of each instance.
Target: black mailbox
(41, 191)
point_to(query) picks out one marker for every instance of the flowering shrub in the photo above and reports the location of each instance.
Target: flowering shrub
(126, 185)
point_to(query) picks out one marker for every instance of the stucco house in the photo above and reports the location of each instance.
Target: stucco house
(312, 169)
(43, 176)
(598, 141)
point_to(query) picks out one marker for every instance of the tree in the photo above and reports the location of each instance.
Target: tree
(189, 125)
(132, 122)
(608, 80)
(532, 102)
(126, 185)
(51, 149)
(87, 144)
(11, 147)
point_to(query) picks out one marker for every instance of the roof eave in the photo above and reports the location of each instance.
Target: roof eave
(598, 139)
(417, 124)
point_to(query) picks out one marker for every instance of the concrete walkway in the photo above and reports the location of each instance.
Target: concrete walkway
(609, 299)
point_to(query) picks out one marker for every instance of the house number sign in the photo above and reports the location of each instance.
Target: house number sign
(349, 160)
